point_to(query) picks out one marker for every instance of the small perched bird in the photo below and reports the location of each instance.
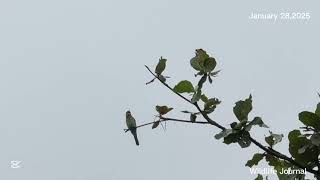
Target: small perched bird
(132, 126)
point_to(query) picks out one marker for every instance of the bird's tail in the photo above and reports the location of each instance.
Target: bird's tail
(134, 133)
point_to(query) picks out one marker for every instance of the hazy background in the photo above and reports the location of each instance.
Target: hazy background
(70, 69)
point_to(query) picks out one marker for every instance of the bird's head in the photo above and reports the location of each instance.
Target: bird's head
(128, 113)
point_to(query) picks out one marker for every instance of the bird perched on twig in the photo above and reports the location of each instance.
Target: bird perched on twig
(132, 126)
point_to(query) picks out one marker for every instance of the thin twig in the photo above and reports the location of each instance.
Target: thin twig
(168, 85)
(163, 119)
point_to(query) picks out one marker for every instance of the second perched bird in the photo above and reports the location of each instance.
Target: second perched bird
(132, 126)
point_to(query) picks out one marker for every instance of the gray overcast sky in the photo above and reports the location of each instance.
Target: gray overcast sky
(70, 69)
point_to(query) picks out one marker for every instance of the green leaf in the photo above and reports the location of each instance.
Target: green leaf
(163, 109)
(244, 139)
(310, 119)
(194, 62)
(307, 157)
(223, 133)
(269, 140)
(232, 138)
(273, 139)
(204, 98)
(197, 62)
(256, 121)
(209, 64)
(315, 139)
(304, 148)
(240, 137)
(277, 138)
(244, 143)
(318, 110)
(243, 108)
(160, 66)
(259, 177)
(184, 87)
(155, 124)
(193, 117)
(211, 105)
(255, 160)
